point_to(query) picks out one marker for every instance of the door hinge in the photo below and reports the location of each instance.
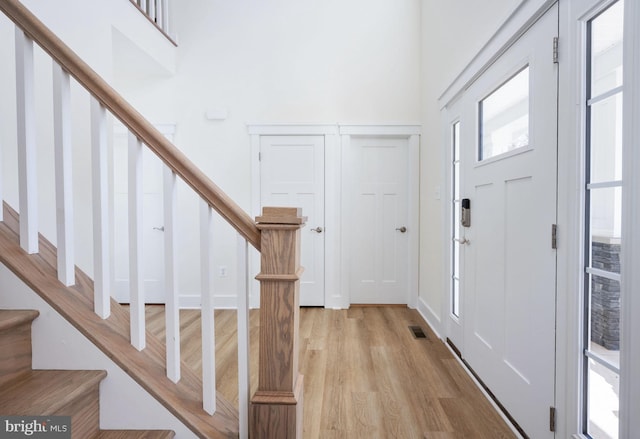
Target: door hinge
(552, 419)
(259, 156)
(555, 50)
(554, 236)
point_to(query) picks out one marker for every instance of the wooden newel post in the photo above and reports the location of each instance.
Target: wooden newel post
(276, 407)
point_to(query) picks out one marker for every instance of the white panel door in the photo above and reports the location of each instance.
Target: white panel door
(376, 182)
(153, 225)
(292, 175)
(509, 309)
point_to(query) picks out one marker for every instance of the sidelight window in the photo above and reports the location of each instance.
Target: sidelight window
(603, 237)
(455, 227)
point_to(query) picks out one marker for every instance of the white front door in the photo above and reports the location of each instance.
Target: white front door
(153, 224)
(292, 175)
(509, 165)
(376, 193)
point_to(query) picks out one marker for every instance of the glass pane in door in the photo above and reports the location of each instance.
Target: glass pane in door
(606, 139)
(603, 401)
(504, 117)
(606, 50)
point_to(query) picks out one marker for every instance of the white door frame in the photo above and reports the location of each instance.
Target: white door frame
(570, 268)
(337, 136)
(451, 324)
(630, 324)
(412, 134)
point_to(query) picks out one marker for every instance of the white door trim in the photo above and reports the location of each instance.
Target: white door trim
(335, 135)
(630, 255)
(523, 15)
(412, 133)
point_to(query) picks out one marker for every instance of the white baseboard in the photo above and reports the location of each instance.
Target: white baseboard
(430, 317)
(221, 301)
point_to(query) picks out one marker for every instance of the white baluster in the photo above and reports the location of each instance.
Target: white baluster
(165, 15)
(143, 5)
(243, 338)
(172, 311)
(207, 310)
(63, 165)
(136, 277)
(27, 170)
(152, 10)
(101, 273)
(159, 13)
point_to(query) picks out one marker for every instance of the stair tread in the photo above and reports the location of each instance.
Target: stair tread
(44, 392)
(10, 318)
(135, 434)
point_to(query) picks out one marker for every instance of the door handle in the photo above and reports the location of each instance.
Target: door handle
(402, 229)
(462, 241)
(317, 229)
(160, 229)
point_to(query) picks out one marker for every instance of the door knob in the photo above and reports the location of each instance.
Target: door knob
(161, 229)
(402, 229)
(317, 229)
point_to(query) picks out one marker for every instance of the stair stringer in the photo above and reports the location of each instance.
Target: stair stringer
(124, 404)
(111, 336)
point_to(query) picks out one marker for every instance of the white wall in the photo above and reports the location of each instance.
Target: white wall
(282, 61)
(452, 33)
(93, 30)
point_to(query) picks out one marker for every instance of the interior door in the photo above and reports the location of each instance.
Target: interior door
(509, 163)
(376, 181)
(292, 175)
(153, 225)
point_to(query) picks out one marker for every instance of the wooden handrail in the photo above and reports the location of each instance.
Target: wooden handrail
(133, 120)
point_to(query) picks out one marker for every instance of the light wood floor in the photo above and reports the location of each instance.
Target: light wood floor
(365, 374)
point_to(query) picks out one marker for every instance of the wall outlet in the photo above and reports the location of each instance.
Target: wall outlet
(223, 271)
